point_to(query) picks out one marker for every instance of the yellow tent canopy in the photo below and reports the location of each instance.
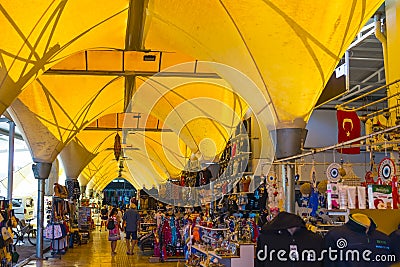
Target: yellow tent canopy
(286, 50)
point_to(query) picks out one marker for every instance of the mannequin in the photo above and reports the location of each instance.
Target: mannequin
(395, 243)
(287, 232)
(359, 234)
(362, 218)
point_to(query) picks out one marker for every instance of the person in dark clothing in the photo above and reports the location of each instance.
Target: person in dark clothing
(131, 224)
(395, 243)
(104, 217)
(285, 241)
(357, 243)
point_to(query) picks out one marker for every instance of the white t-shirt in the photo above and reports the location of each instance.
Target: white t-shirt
(119, 216)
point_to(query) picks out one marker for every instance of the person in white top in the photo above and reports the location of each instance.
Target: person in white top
(119, 215)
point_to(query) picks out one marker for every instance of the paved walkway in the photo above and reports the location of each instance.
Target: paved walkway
(98, 253)
(26, 250)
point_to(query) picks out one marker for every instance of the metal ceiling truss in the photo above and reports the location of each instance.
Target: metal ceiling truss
(121, 63)
(364, 71)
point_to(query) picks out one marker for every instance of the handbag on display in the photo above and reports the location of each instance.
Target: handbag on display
(14, 222)
(2, 243)
(7, 236)
(5, 233)
(14, 257)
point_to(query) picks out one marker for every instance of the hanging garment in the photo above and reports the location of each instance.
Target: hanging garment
(114, 234)
(69, 184)
(77, 190)
(53, 231)
(174, 237)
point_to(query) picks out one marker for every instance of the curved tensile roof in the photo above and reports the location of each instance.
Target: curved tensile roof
(65, 65)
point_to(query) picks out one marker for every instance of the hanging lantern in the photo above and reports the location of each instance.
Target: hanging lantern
(117, 147)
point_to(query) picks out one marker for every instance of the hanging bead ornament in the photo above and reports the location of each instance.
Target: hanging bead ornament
(117, 147)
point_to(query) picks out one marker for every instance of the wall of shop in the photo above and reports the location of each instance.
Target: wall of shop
(322, 132)
(322, 129)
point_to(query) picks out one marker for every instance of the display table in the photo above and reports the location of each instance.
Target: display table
(247, 252)
(245, 258)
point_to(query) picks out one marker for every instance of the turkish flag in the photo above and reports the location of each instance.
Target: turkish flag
(349, 127)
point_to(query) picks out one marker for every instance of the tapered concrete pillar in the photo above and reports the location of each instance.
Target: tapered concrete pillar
(289, 139)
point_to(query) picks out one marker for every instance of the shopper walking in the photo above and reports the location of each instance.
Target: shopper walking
(131, 219)
(119, 216)
(113, 227)
(104, 217)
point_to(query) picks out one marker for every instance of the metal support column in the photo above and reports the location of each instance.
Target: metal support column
(290, 193)
(40, 219)
(41, 171)
(284, 184)
(11, 135)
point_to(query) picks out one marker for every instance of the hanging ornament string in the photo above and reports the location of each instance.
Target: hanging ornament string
(385, 149)
(313, 173)
(342, 171)
(334, 155)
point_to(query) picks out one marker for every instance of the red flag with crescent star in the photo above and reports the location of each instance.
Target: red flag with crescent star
(349, 127)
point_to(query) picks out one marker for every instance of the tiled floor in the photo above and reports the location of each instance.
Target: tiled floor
(98, 253)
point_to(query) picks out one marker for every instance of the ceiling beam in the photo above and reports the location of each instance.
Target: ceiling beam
(366, 59)
(133, 42)
(132, 73)
(93, 128)
(368, 83)
(135, 25)
(364, 68)
(367, 49)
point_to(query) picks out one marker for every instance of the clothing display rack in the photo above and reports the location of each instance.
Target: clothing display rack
(84, 223)
(7, 250)
(56, 227)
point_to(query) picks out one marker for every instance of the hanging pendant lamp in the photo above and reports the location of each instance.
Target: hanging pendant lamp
(117, 147)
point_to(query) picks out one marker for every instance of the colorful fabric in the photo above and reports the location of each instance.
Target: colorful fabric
(114, 234)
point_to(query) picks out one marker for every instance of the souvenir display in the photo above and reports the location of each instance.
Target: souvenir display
(332, 172)
(386, 170)
(380, 197)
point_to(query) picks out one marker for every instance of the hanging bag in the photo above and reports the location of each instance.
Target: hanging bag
(14, 257)
(110, 224)
(6, 234)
